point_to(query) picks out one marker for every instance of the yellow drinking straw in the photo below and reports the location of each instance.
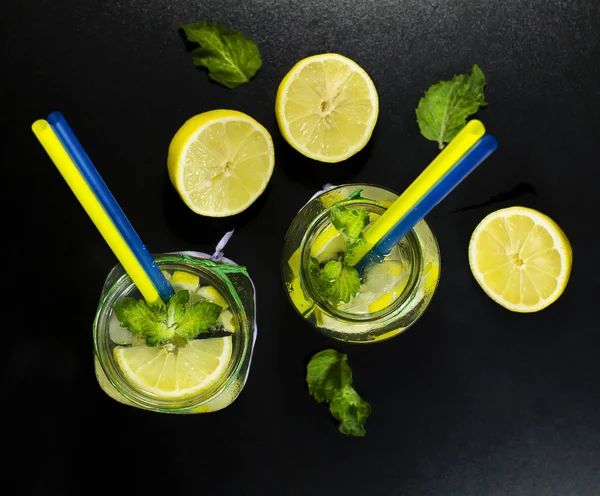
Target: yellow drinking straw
(432, 174)
(63, 162)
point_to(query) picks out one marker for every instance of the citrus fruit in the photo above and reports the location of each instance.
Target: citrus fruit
(521, 258)
(220, 162)
(184, 280)
(327, 107)
(211, 294)
(172, 372)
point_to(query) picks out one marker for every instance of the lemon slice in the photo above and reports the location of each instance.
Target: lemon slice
(327, 107)
(172, 372)
(220, 162)
(520, 258)
(211, 294)
(184, 280)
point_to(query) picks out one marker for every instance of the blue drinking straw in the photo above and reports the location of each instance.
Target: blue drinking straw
(108, 202)
(467, 164)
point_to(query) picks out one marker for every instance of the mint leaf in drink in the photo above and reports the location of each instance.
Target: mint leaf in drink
(350, 221)
(351, 246)
(140, 318)
(230, 57)
(331, 271)
(178, 321)
(329, 379)
(336, 281)
(176, 306)
(197, 319)
(444, 109)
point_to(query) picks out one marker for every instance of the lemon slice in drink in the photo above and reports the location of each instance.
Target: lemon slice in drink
(521, 258)
(171, 372)
(327, 107)
(211, 294)
(184, 280)
(220, 162)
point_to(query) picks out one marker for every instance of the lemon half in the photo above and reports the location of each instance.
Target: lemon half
(521, 258)
(327, 107)
(220, 162)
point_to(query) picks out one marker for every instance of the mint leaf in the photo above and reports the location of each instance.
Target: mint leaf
(230, 57)
(336, 281)
(327, 372)
(351, 410)
(331, 271)
(329, 379)
(351, 245)
(350, 221)
(140, 318)
(176, 306)
(158, 325)
(444, 109)
(198, 318)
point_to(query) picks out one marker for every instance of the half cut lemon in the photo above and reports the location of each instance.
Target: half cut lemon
(327, 107)
(220, 162)
(521, 258)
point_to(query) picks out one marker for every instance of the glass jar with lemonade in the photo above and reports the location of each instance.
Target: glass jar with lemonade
(328, 292)
(192, 355)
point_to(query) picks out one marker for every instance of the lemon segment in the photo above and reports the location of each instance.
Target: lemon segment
(184, 280)
(521, 258)
(171, 372)
(226, 320)
(220, 162)
(327, 107)
(211, 294)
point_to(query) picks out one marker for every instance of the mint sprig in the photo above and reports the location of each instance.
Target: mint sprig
(443, 110)
(176, 322)
(351, 223)
(230, 57)
(336, 281)
(329, 379)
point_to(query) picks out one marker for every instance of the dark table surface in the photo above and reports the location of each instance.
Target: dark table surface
(472, 400)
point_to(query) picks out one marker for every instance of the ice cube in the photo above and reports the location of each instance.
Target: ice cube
(118, 334)
(385, 276)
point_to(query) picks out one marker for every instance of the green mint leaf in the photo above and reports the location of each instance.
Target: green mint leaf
(444, 109)
(140, 318)
(230, 57)
(161, 334)
(351, 410)
(350, 221)
(351, 245)
(327, 372)
(198, 318)
(176, 306)
(329, 379)
(336, 281)
(331, 271)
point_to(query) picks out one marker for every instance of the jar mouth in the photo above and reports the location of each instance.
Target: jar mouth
(103, 345)
(317, 226)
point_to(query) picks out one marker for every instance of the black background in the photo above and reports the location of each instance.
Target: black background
(472, 400)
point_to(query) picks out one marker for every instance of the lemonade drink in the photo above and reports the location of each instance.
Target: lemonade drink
(195, 356)
(323, 286)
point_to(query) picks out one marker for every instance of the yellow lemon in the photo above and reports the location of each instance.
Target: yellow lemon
(521, 258)
(220, 162)
(327, 107)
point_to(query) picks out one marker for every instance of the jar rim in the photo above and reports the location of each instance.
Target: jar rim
(123, 286)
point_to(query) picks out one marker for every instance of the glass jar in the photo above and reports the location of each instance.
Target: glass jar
(420, 253)
(232, 282)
